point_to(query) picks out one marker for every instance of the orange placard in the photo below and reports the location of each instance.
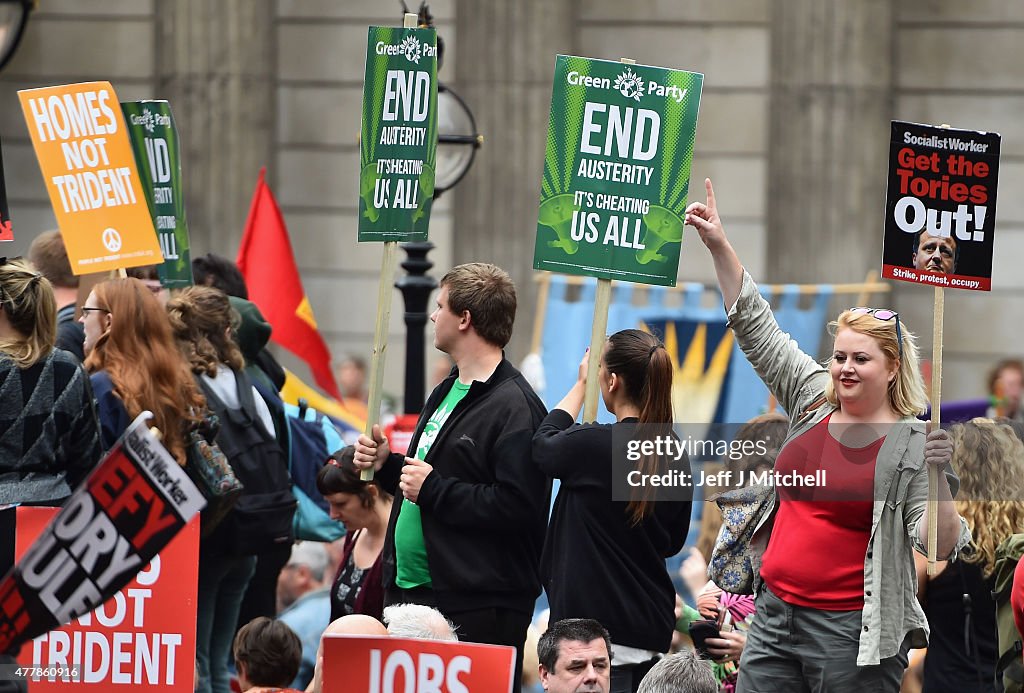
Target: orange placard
(371, 664)
(144, 637)
(80, 138)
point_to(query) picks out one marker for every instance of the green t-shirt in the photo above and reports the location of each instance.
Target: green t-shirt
(411, 565)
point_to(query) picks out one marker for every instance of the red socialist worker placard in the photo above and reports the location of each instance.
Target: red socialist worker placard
(940, 210)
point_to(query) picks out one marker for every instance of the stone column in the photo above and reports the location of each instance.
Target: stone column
(831, 103)
(216, 65)
(504, 74)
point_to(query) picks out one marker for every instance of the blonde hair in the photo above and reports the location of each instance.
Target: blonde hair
(989, 458)
(26, 298)
(906, 391)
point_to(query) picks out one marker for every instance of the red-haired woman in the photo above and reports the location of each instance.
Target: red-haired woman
(603, 558)
(136, 364)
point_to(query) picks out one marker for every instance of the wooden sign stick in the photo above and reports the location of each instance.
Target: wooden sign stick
(385, 291)
(936, 423)
(597, 338)
(542, 308)
(933, 471)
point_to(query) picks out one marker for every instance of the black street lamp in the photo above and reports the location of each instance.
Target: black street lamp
(457, 142)
(416, 287)
(13, 18)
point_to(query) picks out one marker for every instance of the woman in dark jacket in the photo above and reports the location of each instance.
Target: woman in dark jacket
(49, 437)
(604, 556)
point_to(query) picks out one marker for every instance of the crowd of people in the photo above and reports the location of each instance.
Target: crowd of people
(456, 538)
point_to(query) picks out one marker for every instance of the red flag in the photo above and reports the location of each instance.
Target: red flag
(266, 260)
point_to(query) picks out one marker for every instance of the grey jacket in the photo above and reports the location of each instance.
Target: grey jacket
(891, 610)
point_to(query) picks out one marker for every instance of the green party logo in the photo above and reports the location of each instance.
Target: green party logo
(411, 48)
(629, 85)
(149, 120)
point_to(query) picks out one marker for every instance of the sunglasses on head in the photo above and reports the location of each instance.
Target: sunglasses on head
(884, 314)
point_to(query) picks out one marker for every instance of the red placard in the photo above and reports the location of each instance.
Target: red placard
(374, 664)
(399, 433)
(144, 637)
(940, 210)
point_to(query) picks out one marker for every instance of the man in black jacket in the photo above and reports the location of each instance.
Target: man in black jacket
(466, 533)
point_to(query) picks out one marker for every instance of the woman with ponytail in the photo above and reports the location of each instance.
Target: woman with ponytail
(604, 556)
(49, 436)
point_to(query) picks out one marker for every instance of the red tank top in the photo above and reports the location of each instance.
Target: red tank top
(815, 557)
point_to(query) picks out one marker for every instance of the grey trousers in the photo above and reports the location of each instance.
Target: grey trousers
(793, 649)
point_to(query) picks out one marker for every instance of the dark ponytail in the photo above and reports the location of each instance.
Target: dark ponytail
(641, 361)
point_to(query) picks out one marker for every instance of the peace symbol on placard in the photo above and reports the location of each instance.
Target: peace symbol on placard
(111, 240)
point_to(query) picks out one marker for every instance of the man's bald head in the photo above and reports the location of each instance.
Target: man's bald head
(356, 624)
(353, 624)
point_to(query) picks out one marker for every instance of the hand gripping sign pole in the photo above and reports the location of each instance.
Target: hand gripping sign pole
(398, 144)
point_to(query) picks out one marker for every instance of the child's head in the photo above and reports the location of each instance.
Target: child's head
(267, 653)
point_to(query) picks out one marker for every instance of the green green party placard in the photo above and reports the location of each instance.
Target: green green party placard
(398, 140)
(155, 144)
(616, 170)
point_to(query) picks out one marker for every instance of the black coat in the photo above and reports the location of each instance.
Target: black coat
(484, 506)
(596, 564)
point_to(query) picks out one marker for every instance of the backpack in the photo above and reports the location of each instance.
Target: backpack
(1009, 666)
(311, 439)
(262, 518)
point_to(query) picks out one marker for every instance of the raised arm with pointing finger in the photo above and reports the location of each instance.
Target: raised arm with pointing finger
(704, 218)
